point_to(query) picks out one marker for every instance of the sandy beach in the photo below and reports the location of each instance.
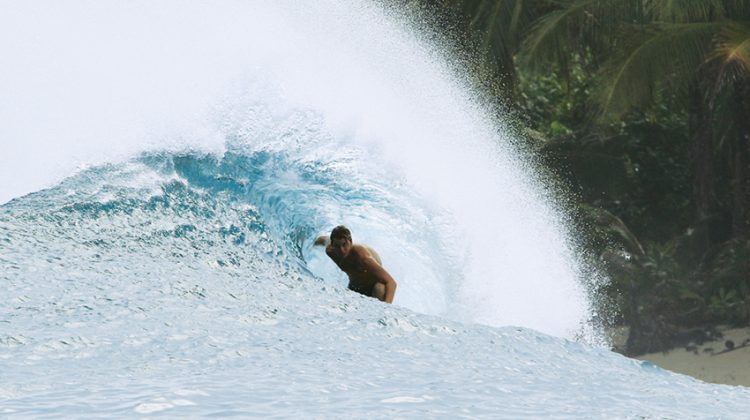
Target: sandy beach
(723, 361)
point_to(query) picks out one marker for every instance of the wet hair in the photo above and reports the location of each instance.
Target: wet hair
(341, 232)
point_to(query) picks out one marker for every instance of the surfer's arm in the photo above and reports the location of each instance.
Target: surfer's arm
(381, 276)
(322, 240)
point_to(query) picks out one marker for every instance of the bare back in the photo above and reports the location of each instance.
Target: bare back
(374, 254)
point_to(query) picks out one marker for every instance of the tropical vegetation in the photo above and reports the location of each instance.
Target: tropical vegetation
(642, 108)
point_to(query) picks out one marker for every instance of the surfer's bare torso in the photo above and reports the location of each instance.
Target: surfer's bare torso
(363, 266)
(361, 279)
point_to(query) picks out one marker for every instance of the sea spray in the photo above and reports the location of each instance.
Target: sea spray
(176, 76)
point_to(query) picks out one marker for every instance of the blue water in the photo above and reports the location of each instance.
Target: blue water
(165, 168)
(180, 284)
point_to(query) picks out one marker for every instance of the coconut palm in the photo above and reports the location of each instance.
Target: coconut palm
(697, 50)
(500, 26)
(696, 53)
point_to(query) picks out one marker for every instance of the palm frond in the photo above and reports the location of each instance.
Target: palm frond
(586, 24)
(738, 10)
(501, 24)
(492, 21)
(654, 56)
(731, 54)
(685, 11)
(497, 26)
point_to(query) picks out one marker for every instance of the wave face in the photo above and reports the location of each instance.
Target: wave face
(186, 284)
(174, 272)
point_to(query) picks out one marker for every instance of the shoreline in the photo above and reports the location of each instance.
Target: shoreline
(725, 360)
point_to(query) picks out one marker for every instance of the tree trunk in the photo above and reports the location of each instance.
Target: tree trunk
(701, 166)
(741, 162)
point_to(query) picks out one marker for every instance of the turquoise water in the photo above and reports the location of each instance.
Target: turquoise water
(166, 167)
(180, 284)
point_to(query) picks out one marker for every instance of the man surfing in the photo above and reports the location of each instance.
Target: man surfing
(361, 263)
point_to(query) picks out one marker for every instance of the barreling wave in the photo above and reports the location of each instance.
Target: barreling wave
(253, 202)
(310, 115)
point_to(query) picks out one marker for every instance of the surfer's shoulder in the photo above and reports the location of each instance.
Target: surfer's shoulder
(364, 251)
(360, 250)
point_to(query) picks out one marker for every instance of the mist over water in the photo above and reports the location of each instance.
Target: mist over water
(470, 233)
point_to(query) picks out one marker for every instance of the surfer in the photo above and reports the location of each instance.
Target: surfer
(361, 263)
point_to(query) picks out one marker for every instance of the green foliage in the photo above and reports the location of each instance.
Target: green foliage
(648, 58)
(681, 11)
(556, 103)
(724, 305)
(727, 283)
(636, 168)
(498, 27)
(639, 47)
(614, 95)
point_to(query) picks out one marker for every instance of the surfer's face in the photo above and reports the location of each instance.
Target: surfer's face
(340, 247)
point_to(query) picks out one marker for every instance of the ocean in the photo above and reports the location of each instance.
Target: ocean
(166, 168)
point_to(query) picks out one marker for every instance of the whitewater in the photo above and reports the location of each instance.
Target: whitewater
(166, 166)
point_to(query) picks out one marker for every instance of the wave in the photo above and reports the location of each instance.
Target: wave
(186, 284)
(475, 245)
(297, 101)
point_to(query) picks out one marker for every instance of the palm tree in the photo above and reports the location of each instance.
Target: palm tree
(499, 26)
(698, 50)
(640, 52)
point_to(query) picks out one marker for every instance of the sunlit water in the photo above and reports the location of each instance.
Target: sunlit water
(176, 275)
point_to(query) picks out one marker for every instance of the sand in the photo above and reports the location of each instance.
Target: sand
(712, 361)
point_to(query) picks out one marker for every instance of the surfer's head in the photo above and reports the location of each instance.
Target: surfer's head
(341, 241)
(341, 232)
